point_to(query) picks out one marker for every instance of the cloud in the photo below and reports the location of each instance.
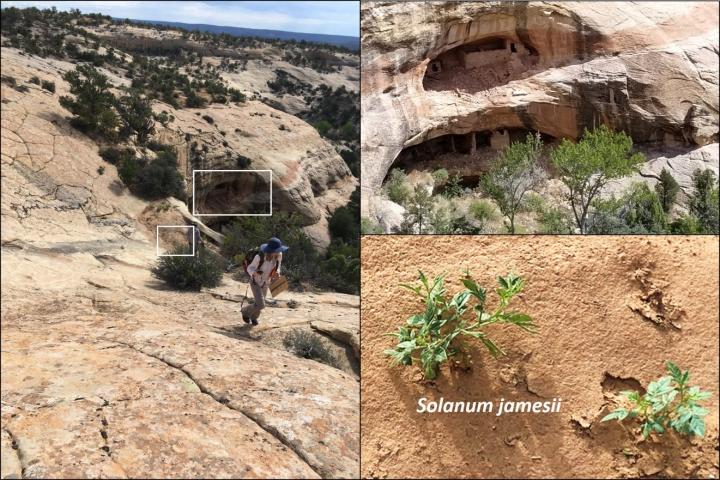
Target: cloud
(338, 18)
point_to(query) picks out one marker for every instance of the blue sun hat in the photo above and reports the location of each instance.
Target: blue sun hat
(274, 245)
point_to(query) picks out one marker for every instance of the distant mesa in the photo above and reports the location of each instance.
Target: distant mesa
(352, 43)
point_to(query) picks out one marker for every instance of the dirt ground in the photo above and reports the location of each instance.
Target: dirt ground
(597, 336)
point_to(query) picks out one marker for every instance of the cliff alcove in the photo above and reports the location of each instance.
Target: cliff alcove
(480, 65)
(467, 155)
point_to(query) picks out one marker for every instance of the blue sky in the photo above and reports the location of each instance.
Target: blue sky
(337, 18)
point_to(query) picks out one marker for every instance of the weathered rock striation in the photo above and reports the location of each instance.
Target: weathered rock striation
(105, 373)
(472, 72)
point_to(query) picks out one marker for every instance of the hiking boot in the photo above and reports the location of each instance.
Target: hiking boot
(254, 322)
(246, 319)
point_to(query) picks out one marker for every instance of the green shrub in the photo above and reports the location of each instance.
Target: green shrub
(323, 127)
(643, 211)
(369, 227)
(397, 187)
(435, 335)
(194, 100)
(306, 344)
(670, 403)
(440, 176)
(22, 88)
(101, 170)
(340, 270)
(114, 155)
(159, 179)
(93, 102)
(533, 203)
(245, 234)
(667, 189)
(638, 211)
(205, 269)
(352, 160)
(419, 212)
(8, 80)
(515, 172)
(236, 95)
(587, 166)
(137, 116)
(344, 224)
(703, 202)
(35, 80)
(208, 119)
(686, 225)
(483, 212)
(555, 221)
(49, 86)
(453, 187)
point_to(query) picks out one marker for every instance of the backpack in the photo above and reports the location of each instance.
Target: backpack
(250, 256)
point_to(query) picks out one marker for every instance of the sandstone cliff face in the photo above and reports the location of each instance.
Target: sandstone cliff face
(106, 373)
(308, 176)
(650, 69)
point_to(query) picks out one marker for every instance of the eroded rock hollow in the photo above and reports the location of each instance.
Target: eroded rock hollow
(449, 84)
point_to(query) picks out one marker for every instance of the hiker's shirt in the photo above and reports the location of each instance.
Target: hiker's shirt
(267, 267)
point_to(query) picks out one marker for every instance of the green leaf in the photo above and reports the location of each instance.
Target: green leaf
(646, 429)
(460, 300)
(477, 291)
(522, 320)
(697, 427)
(494, 349)
(412, 288)
(618, 414)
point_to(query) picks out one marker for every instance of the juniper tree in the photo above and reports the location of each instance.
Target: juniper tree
(137, 116)
(93, 102)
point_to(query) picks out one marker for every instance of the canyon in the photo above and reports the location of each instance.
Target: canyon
(107, 372)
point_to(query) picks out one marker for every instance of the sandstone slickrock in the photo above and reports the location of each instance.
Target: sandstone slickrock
(344, 332)
(106, 373)
(648, 68)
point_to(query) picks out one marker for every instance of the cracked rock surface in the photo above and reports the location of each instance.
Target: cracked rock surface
(105, 372)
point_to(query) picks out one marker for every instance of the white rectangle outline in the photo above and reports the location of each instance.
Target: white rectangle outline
(230, 214)
(157, 241)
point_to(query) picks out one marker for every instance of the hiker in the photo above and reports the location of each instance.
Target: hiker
(194, 232)
(264, 267)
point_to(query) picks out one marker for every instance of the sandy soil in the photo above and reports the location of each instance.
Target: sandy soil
(596, 337)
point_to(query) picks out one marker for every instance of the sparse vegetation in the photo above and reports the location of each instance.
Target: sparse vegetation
(205, 269)
(48, 85)
(703, 202)
(137, 117)
(436, 335)
(670, 403)
(93, 102)
(515, 172)
(309, 345)
(397, 187)
(587, 166)
(368, 227)
(667, 189)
